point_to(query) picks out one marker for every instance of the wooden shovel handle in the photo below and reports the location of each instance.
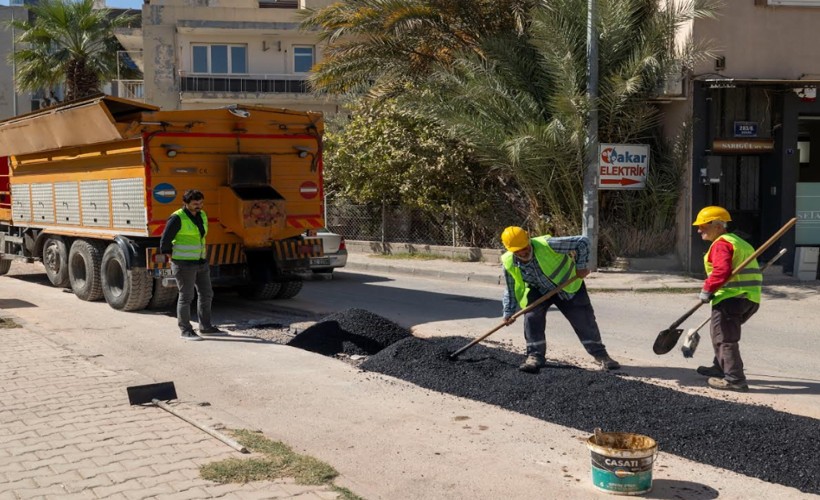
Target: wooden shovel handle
(527, 309)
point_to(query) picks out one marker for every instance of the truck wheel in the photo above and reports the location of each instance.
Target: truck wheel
(289, 290)
(260, 291)
(164, 296)
(124, 290)
(84, 270)
(55, 260)
(5, 265)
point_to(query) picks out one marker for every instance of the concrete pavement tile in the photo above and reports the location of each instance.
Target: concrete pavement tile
(106, 491)
(163, 478)
(57, 479)
(50, 492)
(9, 486)
(86, 485)
(159, 491)
(89, 472)
(131, 473)
(73, 463)
(187, 494)
(56, 451)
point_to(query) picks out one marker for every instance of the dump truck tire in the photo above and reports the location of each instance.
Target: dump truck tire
(84, 270)
(55, 260)
(124, 289)
(289, 290)
(164, 296)
(261, 291)
(5, 265)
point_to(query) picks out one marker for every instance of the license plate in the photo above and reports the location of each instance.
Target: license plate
(319, 262)
(162, 273)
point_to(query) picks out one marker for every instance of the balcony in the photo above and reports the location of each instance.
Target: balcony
(243, 84)
(131, 89)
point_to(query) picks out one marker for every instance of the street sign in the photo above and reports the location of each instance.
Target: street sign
(622, 166)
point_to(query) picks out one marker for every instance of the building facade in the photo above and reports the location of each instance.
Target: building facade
(756, 122)
(205, 53)
(11, 102)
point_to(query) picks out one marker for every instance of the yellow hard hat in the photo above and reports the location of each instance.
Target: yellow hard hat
(515, 238)
(708, 214)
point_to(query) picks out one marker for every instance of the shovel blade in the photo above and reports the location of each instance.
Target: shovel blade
(141, 394)
(666, 340)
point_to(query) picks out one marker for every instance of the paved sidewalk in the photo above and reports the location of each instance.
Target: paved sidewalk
(603, 280)
(67, 431)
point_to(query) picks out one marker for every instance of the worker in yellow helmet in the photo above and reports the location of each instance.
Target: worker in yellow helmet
(532, 268)
(734, 300)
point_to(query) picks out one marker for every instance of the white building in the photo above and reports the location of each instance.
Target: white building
(206, 53)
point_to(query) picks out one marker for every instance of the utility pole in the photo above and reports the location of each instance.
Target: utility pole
(13, 66)
(590, 209)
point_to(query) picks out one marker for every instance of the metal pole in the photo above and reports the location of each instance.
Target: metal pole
(13, 66)
(590, 209)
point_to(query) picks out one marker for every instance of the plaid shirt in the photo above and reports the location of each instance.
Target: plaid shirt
(534, 277)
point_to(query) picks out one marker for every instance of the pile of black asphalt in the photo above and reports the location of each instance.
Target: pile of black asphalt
(351, 332)
(753, 440)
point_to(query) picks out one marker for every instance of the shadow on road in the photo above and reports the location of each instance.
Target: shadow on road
(669, 488)
(758, 383)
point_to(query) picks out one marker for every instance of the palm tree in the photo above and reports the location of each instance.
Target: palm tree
(380, 45)
(523, 105)
(67, 41)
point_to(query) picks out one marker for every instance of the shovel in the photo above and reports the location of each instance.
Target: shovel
(690, 342)
(155, 393)
(667, 339)
(527, 309)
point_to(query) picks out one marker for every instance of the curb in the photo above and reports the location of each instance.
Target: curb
(428, 273)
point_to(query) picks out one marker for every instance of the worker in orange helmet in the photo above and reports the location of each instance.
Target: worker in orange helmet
(532, 268)
(734, 300)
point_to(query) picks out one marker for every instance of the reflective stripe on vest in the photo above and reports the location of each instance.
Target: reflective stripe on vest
(746, 282)
(556, 266)
(188, 243)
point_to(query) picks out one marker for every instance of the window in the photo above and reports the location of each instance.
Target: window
(220, 59)
(279, 4)
(302, 59)
(793, 3)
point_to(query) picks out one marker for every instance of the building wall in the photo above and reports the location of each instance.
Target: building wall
(172, 27)
(7, 91)
(760, 41)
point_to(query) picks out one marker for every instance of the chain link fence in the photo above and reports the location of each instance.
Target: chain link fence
(399, 224)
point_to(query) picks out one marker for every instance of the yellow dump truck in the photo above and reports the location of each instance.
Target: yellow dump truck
(86, 188)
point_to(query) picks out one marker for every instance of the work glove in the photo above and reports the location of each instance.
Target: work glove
(705, 296)
(509, 320)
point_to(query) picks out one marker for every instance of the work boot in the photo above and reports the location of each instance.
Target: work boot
(190, 336)
(725, 385)
(710, 371)
(607, 363)
(533, 364)
(212, 330)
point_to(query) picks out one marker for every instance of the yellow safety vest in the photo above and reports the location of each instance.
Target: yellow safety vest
(556, 266)
(747, 282)
(188, 243)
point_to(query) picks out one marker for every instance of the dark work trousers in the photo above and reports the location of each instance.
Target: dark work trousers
(727, 316)
(192, 276)
(578, 311)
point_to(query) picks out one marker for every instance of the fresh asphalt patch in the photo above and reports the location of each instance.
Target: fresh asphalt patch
(351, 332)
(756, 441)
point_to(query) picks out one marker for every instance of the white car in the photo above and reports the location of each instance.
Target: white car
(333, 248)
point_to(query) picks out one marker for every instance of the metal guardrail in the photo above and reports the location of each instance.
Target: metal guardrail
(131, 89)
(251, 83)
